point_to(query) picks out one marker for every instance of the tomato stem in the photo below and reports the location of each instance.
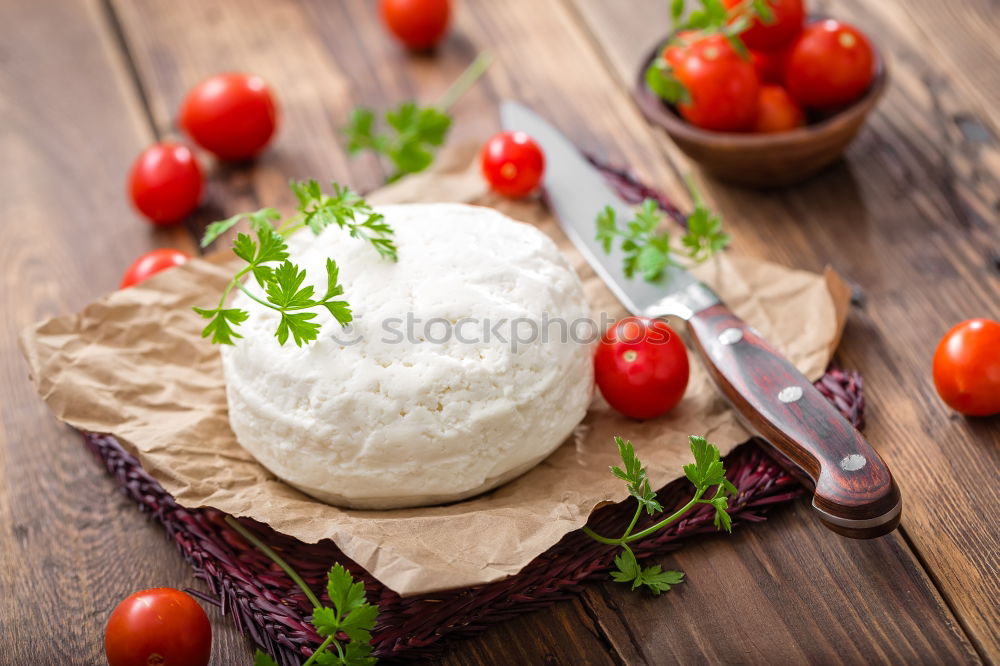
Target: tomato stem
(264, 548)
(465, 80)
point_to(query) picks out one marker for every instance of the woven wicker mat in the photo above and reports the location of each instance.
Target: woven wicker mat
(268, 607)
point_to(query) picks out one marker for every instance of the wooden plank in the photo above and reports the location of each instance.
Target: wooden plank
(70, 125)
(310, 53)
(562, 634)
(911, 216)
(801, 613)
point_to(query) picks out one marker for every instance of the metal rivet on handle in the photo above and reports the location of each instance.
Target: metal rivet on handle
(790, 394)
(730, 336)
(853, 462)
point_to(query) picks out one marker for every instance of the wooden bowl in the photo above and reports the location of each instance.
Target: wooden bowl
(763, 160)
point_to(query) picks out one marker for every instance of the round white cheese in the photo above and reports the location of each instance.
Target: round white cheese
(462, 368)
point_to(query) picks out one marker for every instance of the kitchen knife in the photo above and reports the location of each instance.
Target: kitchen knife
(854, 492)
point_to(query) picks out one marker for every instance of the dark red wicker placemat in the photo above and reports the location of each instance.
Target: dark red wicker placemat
(268, 607)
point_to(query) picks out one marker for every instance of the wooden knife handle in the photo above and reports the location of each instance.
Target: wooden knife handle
(855, 494)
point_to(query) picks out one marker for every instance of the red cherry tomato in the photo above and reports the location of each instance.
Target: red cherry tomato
(418, 24)
(165, 182)
(150, 263)
(512, 164)
(641, 367)
(967, 367)
(787, 19)
(829, 65)
(770, 65)
(777, 111)
(722, 85)
(159, 626)
(230, 115)
(675, 50)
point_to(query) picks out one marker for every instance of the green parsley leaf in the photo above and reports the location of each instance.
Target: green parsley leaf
(722, 520)
(360, 131)
(710, 17)
(646, 250)
(333, 287)
(634, 474)
(653, 258)
(327, 658)
(714, 18)
(359, 622)
(258, 220)
(351, 614)
(325, 621)
(676, 10)
(704, 236)
(653, 577)
(705, 472)
(344, 593)
(607, 228)
(216, 229)
(659, 581)
(266, 253)
(358, 654)
(270, 246)
(415, 132)
(283, 290)
(220, 328)
(661, 79)
(627, 567)
(261, 658)
(299, 326)
(344, 208)
(412, 132)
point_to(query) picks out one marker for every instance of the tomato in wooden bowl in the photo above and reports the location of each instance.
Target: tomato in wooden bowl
(795, 129)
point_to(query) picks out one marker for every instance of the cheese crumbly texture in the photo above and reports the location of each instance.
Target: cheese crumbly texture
(376, 418)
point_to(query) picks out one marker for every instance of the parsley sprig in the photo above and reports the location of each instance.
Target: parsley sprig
(647, 248)
(705, 473)
(266, 257)
(350, 614)
(413, 132)
(712, 17)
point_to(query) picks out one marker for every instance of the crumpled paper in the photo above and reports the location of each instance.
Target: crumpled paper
(133, 364)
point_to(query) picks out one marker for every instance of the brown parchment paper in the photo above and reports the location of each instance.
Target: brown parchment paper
(133, 365)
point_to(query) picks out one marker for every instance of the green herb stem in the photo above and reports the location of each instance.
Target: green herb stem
(264, 548)
(322, 647)
(635, 519)
(692, 187)
(597, 537)
(465, 80)
(291, 225)
(232, 283)
(242, 287)
(666, 521)
(628, 537)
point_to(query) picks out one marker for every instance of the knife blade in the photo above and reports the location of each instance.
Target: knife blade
(854, 493)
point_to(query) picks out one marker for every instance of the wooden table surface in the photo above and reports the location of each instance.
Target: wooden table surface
(911, 216)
